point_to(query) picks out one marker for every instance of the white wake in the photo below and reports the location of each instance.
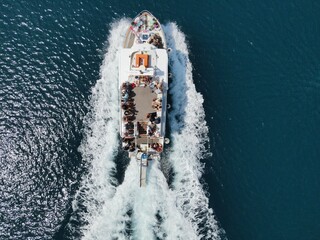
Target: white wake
(126, 211)
(189, 136)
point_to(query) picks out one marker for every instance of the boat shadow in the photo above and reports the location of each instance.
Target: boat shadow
(177, 94)
(178, 98)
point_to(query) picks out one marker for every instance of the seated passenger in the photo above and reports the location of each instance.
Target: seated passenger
(132, 147)
(125, 97)
(151, 128)
(157, 147)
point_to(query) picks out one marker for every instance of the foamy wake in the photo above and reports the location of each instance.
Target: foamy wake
(189, 136)
(127, 211)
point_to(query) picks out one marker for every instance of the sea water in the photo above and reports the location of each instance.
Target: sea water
(243, 159)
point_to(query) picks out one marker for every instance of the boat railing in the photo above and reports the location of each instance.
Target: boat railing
(136, 134)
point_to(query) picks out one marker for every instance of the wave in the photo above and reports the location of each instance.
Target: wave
(190, 139)
(100, 144)
(125, 211)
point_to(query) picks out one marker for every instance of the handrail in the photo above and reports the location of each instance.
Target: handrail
(140, 172)
(135, 133)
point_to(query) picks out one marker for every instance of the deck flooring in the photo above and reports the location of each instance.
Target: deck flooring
(143, 100)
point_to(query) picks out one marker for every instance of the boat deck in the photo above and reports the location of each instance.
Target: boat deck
(143, 84)
(145, 28)
(143, 100)
(129, 40)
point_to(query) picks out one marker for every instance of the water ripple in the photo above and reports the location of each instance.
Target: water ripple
(47, 66)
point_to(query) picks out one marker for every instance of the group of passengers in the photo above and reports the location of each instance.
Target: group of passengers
(129, 144)
(145, 80)
(126, 91)
(128, 138)
(152, 124)
(142, 23)
(157, 147)
(155, 85)
(157, 104)
(156, 40)
(128, 107)
(153, 118)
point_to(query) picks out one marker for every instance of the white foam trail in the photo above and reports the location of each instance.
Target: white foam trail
(158, 198)
(155, 212)
(145, 203)
(190, 136)
(100, 143)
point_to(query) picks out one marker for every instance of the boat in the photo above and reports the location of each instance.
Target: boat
(143, 87)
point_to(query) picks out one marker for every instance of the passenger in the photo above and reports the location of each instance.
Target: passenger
(152, 127)
(157, 91)
(159, 148)
(128, 105)
(152, 118)
(149, 131)
(131, 131)
(125, 97)
(159, 86)
(157, 101)
(128, 113)
(155, 146)
(124, 106)
(156, 106)
(128, 118)
(126, 147)
(132, 147)
(152, 85)
(129, 125)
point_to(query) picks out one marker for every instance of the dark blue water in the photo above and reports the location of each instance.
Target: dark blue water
(256, 64)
